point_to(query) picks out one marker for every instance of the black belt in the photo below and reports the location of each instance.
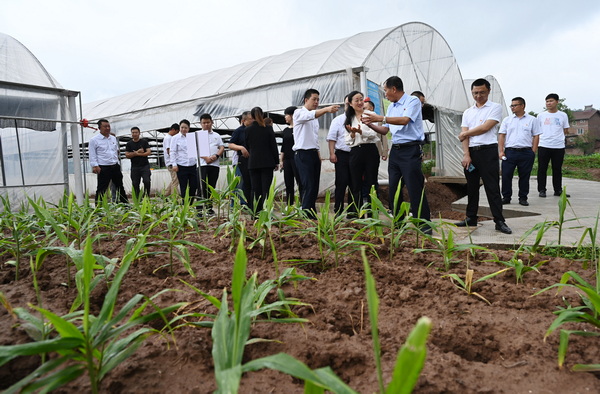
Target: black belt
(407, 144)
(109, 165)
(362, 145)
(482, 147)
(519, 149)
(307, 150)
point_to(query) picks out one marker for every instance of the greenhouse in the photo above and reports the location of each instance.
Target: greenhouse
(36, 118)
(414, 51)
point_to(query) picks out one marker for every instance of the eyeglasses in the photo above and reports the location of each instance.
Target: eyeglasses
(515, 105)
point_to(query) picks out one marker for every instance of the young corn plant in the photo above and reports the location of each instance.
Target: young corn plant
(587, 313)
(327, 230)
(99, 343)
(265, 220)
(520, 267)
(399, 222)
(231, 334)
(19, 236)
(447, 248)
(467, 284)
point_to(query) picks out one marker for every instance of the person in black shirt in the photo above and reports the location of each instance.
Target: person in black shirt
(138, 150)
(263, 158)
(237, 142)
(288, 164)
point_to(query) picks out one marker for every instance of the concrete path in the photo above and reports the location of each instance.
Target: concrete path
(581, 212)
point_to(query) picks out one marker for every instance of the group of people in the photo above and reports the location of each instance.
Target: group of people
(486, 138)
(357, 142)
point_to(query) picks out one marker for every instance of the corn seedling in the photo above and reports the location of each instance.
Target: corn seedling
(519, 266)
(588, 312)
(447, 248)
(21, 239)
(468, 283)
(100, 343)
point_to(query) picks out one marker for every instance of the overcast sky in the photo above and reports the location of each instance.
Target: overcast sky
(106, 48)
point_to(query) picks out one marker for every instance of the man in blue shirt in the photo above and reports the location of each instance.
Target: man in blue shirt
(404, 120)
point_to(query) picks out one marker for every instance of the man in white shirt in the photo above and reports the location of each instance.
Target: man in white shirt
(104, 158)
(554, 124)
(480, 155)
(306, 146)
(174, 184)
(184, 164)
(518, 140)
(210, 165)
(339, 155)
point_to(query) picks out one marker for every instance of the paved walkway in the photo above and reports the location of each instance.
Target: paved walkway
(581, 213)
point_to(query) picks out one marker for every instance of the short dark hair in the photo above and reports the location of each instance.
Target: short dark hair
(521, 100)
(394, 82)
(206, 116)
(552, 96)
(417, 93)
(175, 126)
(102, 121)
(290, 110)
(136, 128)
(308, 94)
(187, 122)
(244, 115)
(481, 82)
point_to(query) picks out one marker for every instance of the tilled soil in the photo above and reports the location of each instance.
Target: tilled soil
(474, 347)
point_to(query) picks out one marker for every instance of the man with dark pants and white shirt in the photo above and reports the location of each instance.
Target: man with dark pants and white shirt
(210, 165)
(480, 155)
(339, 155)
(306, 146)
(404, 120)
(518, 140)
(104, 159)
(554, 124)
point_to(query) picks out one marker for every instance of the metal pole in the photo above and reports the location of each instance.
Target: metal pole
(63, 143)
(77, 172)
(19, 149)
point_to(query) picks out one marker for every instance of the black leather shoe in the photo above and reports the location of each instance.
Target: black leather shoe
(466, 222)
(503, 228)
(542, 194)
(524, 203)
(505, 201)
(558, 194)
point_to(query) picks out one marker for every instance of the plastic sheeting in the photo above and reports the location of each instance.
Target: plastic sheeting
(414, 51)
(33, 137)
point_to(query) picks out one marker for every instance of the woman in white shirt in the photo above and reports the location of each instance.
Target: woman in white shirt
(364, 155)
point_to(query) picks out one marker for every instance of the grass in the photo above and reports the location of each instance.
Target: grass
(576, 167)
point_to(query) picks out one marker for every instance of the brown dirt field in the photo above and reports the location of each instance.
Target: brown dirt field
(473, 347)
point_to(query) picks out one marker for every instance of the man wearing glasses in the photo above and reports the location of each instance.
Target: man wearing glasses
(518, 140)
(480, 160)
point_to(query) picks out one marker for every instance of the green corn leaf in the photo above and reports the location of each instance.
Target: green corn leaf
(324, 377)
(25, 386)
(65, 328)
(411, 359)
(586, 367)
(7, 353)
(213, 300)
(373, 304)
